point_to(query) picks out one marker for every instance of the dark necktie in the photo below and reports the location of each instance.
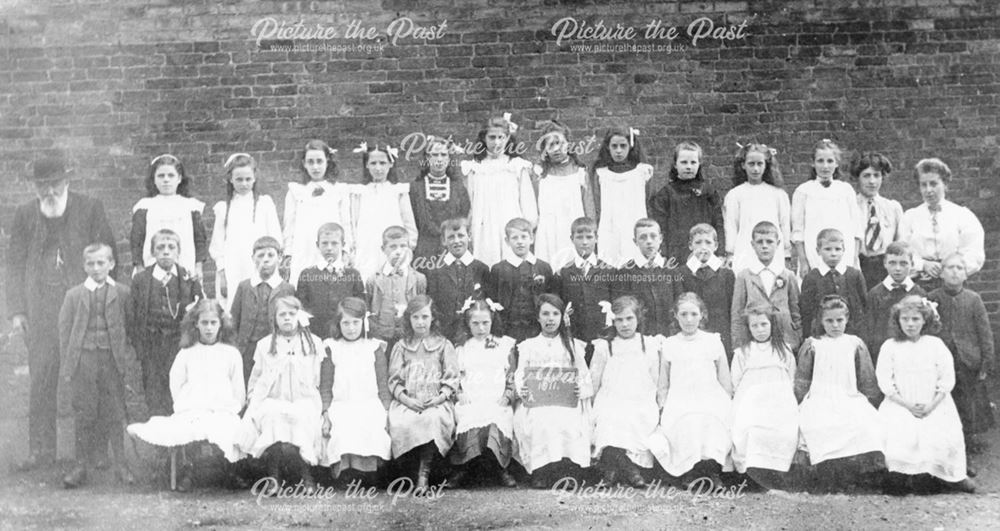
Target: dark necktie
(704, 272)
(264, 291)
(874, 228)
(898, 286)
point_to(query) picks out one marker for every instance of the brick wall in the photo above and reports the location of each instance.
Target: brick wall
(116, 82)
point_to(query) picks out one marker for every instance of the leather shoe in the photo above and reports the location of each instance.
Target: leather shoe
(76, 478)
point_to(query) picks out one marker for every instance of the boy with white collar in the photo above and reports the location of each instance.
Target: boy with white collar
(94, 345)
(393, 286)
(515, 281)
(251, 309)
(329, 281)
(706, 275)
(584, 283)
(160, 297)
(833, 277)
(455, 277)
(766, 282)
(898, 262)
(652, 279)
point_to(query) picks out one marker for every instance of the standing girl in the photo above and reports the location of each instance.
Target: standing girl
(765, 412)
(619, 178)
(206, 383)
(757, 195)
(628, 375)
(923, 429)
(243, 217)
(546, 434)
(355, 395)
(168, 206)
(484, 413)
(694, 436)
(283, 394)
(685, 201)
(837, 392)
(500, 189)
(825, 202)
(314, 201)
(423, 379)
(563, 195)
(377, 204)
(438, 194)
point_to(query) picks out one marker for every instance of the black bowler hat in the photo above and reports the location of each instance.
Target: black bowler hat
(50, 168)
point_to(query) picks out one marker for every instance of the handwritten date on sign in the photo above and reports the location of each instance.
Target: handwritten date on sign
(551, 386)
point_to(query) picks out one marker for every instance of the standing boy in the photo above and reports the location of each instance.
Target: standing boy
(322, 286)
(455, 277)
(832, 277)
(649, 280)
(767, 283)
(705, 274)
(898, 261)
(515, 281)
(584, 283)
(393, 286)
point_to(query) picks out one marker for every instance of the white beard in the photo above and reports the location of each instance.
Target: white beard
(53, 207)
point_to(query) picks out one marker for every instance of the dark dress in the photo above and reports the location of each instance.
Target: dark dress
(429, 213)
(680, 205)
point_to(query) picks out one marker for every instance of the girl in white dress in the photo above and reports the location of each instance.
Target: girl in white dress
(765, 412)
(825, 202)
(757, 195)
(243, 217)
(423, 379)
(545, 435)
(837, 392)
(284, 404)
(377, 204)
(316, 200)
(628, 374)
(923, 432)
(355, 395)
(168, 206)
(694, 437)
(484, 413)
(563, 195)
(500, 189)
(206, 384)
(618, 180)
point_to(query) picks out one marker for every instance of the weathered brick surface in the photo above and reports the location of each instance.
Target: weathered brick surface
(114, 83)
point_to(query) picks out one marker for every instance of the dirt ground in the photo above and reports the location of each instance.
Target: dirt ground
(37, 500)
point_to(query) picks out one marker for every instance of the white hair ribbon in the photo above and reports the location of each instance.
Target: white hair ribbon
(233, 156)
(466, 305)
(494, 306)
(303, 318)
(393, 153)
(368, 323)
(158, 157)
(772, 151)
(511, 126)
(632, 132)
(362, 147)
(567, 312)
(609, 316)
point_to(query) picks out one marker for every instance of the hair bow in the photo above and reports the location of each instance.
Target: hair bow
(367, 323)
(466, 305)
(494, 306)
(362, 147)
(511, 126)
(566, 313)
(772, 151)
(158, 157)
(477, 287)
(632, 132)
(929, 303)
(609, 316)
(233, 157)
(826, 140)
(739, 145)
(303, 318)
(393, 153)
(194, 303)
(455, 149)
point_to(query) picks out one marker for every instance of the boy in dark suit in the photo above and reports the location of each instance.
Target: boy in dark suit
(322, 286)
(252, 302)
(832, 277)
(515, 281)
(584, 283)
(455, 277)
(94, 344)
(651, 280)
(705, 274)
(160, 297)
(898, 261)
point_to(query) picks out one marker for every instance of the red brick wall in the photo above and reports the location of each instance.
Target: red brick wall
(116, 82)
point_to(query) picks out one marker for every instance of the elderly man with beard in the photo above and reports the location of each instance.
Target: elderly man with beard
(45, 259)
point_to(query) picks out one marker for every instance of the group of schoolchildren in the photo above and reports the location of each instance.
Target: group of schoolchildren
(357, 362)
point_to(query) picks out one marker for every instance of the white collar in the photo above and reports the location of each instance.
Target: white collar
(841, 268)
(756, 267)
(578, 260)
(516, 261)
(58, 209)
(274, 281)
(159, 273)
(658, 261)
(466, 258)
(323, 265)
(714, 262)
(907, 283)
(387, 269)
(91, 285)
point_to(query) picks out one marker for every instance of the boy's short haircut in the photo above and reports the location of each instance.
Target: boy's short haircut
(161, 234)
(96, 248)
(702, 228)
(266, 242)
(899, 248)
(330, 228)
(455, 224)
(645, 223)
(395, 232)
(520, 224)
(583, 224)
(829, 235)
(765, 227)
